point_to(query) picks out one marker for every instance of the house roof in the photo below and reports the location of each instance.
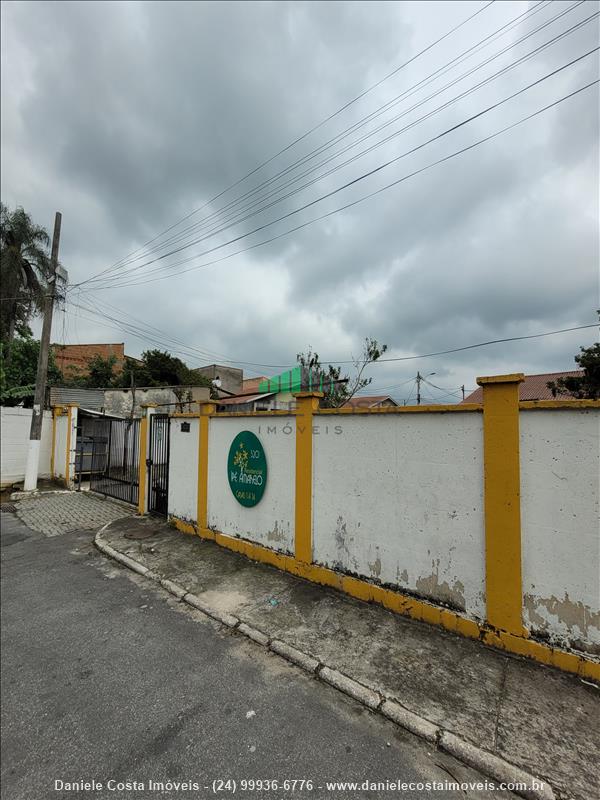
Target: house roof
(534, 387)
(369, 401)
(242, 399)
(251, 384)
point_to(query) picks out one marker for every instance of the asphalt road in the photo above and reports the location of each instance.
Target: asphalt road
(105, 677)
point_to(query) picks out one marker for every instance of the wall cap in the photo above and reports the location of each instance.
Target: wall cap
(516, 377)
(301, 395)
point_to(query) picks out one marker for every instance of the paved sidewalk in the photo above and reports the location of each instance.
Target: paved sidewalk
(545, 722)
(55, 513)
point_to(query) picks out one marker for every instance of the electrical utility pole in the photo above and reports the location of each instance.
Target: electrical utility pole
(419, 379)
(35, 434)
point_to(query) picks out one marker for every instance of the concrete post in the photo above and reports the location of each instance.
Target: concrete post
(206, 410)
(502, 502)
(307, 404)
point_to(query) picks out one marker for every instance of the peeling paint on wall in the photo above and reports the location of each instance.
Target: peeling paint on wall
(579, 624)
(375, 568)
(559, 526)
(278, 532)
(344, 560)
(431, 587)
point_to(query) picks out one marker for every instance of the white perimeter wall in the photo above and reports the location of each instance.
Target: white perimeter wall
(399, 498)
(560, 529)
(271, 521)
(183, 469)
(15, 424)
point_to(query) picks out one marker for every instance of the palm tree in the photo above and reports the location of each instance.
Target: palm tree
(24, 272)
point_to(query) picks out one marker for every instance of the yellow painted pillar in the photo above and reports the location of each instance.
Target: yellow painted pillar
(502, 502)
(147, 410)
(206, 409)
(55, 413)
(142, 468)
(70, 408)
(306, 404)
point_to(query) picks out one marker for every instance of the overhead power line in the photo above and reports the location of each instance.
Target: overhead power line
(370, 173)
(319, 125)
(220, 228)
(124, 327)
(149, 333)
(227, 209)
(215, 231)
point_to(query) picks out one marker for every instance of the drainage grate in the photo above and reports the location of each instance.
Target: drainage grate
(139, 534)
(8, 507)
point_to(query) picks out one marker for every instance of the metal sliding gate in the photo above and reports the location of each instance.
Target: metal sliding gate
(158, 464)
(115, 448)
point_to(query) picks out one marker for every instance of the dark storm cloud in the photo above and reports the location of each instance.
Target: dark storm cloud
(129, 115)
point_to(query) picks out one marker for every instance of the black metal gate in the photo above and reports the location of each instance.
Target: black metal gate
(115, 452)
(158, 464)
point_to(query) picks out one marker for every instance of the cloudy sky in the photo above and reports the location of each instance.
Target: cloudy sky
(128, 117)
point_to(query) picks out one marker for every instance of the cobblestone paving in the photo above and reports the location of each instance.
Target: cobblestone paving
(54, 514)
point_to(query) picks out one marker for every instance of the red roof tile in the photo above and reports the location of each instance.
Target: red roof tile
(534, 387)
(251, 384)
(371, 401)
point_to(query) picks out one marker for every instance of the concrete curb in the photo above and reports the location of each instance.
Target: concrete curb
(352, 688)
(21, 494)
(220, 616)
(294, 655)
(489, 764)
(178, 591)
(412, 722)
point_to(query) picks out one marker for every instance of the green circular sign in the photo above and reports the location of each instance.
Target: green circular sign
(247, 469)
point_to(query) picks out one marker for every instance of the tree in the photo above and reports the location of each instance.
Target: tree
(18, 375)
(24, 272)
(586, 386)
(159, 368)
(339, 389)
(100, 372)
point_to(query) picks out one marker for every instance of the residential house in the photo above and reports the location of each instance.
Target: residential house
(370, 401)
(252, 398)
(534, 387)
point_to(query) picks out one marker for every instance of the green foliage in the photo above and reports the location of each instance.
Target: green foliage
(24, 272)
(342, 388)
(586, 386)
(100, 374)
(17, 375)
(159, 368)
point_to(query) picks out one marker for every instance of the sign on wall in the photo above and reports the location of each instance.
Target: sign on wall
(247, 469)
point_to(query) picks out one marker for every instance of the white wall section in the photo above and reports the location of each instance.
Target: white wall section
(183, 468)
(15, 424)
(398, 498)
(271, 522)
(560, 529)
